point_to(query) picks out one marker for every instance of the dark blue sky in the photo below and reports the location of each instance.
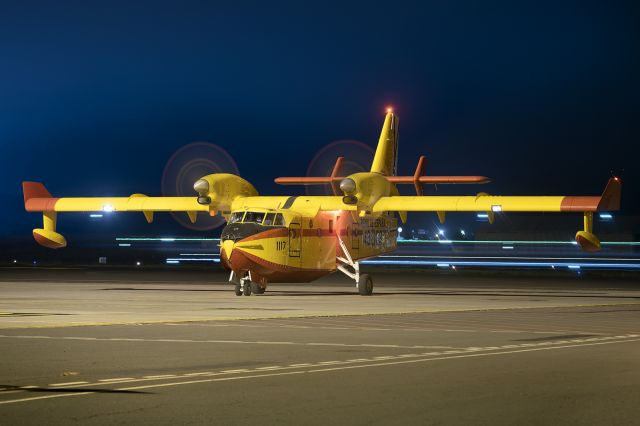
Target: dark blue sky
(96, 96)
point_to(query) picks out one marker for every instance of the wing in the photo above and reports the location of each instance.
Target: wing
(38, 199)
(608, 201)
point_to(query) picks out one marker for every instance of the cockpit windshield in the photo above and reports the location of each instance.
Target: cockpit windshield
(262, 218)
(255, 217)
(236, 217)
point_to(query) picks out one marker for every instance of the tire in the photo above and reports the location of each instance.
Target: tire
(247, 289)
(365, 285)
(238, 290)
(256, 289)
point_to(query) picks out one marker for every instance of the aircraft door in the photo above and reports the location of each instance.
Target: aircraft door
(295, 239)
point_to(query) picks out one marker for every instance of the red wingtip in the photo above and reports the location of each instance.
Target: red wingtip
(610, 199)
(34, 190)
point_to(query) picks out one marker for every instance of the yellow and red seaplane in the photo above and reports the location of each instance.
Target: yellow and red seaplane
(270, 239)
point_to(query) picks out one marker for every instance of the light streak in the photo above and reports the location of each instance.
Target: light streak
(96, 215)
(616, 259)
(505, 264)
(193, 259)
(511, 242)
(164, 238)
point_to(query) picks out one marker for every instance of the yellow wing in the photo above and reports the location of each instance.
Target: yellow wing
(608, 201)
(38, 199)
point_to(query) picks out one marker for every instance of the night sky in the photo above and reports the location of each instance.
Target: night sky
(95, 97)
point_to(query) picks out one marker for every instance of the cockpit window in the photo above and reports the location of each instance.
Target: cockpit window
(279, 220)
(268, 220)
(255, 217)
(236, 217)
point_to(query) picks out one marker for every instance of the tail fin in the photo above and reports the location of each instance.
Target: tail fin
(386, 159)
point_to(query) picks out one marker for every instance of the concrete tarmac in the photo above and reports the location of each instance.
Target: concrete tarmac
(103, 347)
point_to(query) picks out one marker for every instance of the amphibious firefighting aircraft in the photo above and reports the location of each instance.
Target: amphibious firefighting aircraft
(270, 239)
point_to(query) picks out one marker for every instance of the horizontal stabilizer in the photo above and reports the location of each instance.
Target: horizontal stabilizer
(435, 180)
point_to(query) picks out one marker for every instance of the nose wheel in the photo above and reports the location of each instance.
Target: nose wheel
(244, 286)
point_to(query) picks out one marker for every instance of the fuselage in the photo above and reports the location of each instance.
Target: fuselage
(287, 246)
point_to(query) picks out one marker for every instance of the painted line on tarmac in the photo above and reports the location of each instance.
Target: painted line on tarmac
(238, 342)
(430, 329)
(338, 365)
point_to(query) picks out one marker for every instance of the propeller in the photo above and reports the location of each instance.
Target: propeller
(357, 158)
(184, 169)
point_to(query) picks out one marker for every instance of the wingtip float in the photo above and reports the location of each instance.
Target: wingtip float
(301, 238)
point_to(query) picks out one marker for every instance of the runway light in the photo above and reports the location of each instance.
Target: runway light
(441, 231)
(95, 215)
(107, 208)
(138, 263)
(462, 232)
(399, 229)
(15, 261)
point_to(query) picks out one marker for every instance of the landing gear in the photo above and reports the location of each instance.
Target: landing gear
(256, 288)
(244, 286)
(365, 285)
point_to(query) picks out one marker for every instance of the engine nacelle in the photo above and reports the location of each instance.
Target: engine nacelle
(220, 189)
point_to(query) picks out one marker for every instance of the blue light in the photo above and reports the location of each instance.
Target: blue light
(170, 240)
(482, 216)
(96, 215)
(606, 216)
(173, 262)
(124, 245)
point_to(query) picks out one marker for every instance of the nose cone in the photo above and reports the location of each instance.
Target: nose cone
(227, 248)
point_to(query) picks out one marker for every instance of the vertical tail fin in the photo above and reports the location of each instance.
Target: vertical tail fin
(386, 158)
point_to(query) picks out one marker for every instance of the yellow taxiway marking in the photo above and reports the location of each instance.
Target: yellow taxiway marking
(11, 325)
(327, 366)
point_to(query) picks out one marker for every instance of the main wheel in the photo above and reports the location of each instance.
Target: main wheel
(238, 290)
(365, 285)
(255, 288)
(246, 289)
